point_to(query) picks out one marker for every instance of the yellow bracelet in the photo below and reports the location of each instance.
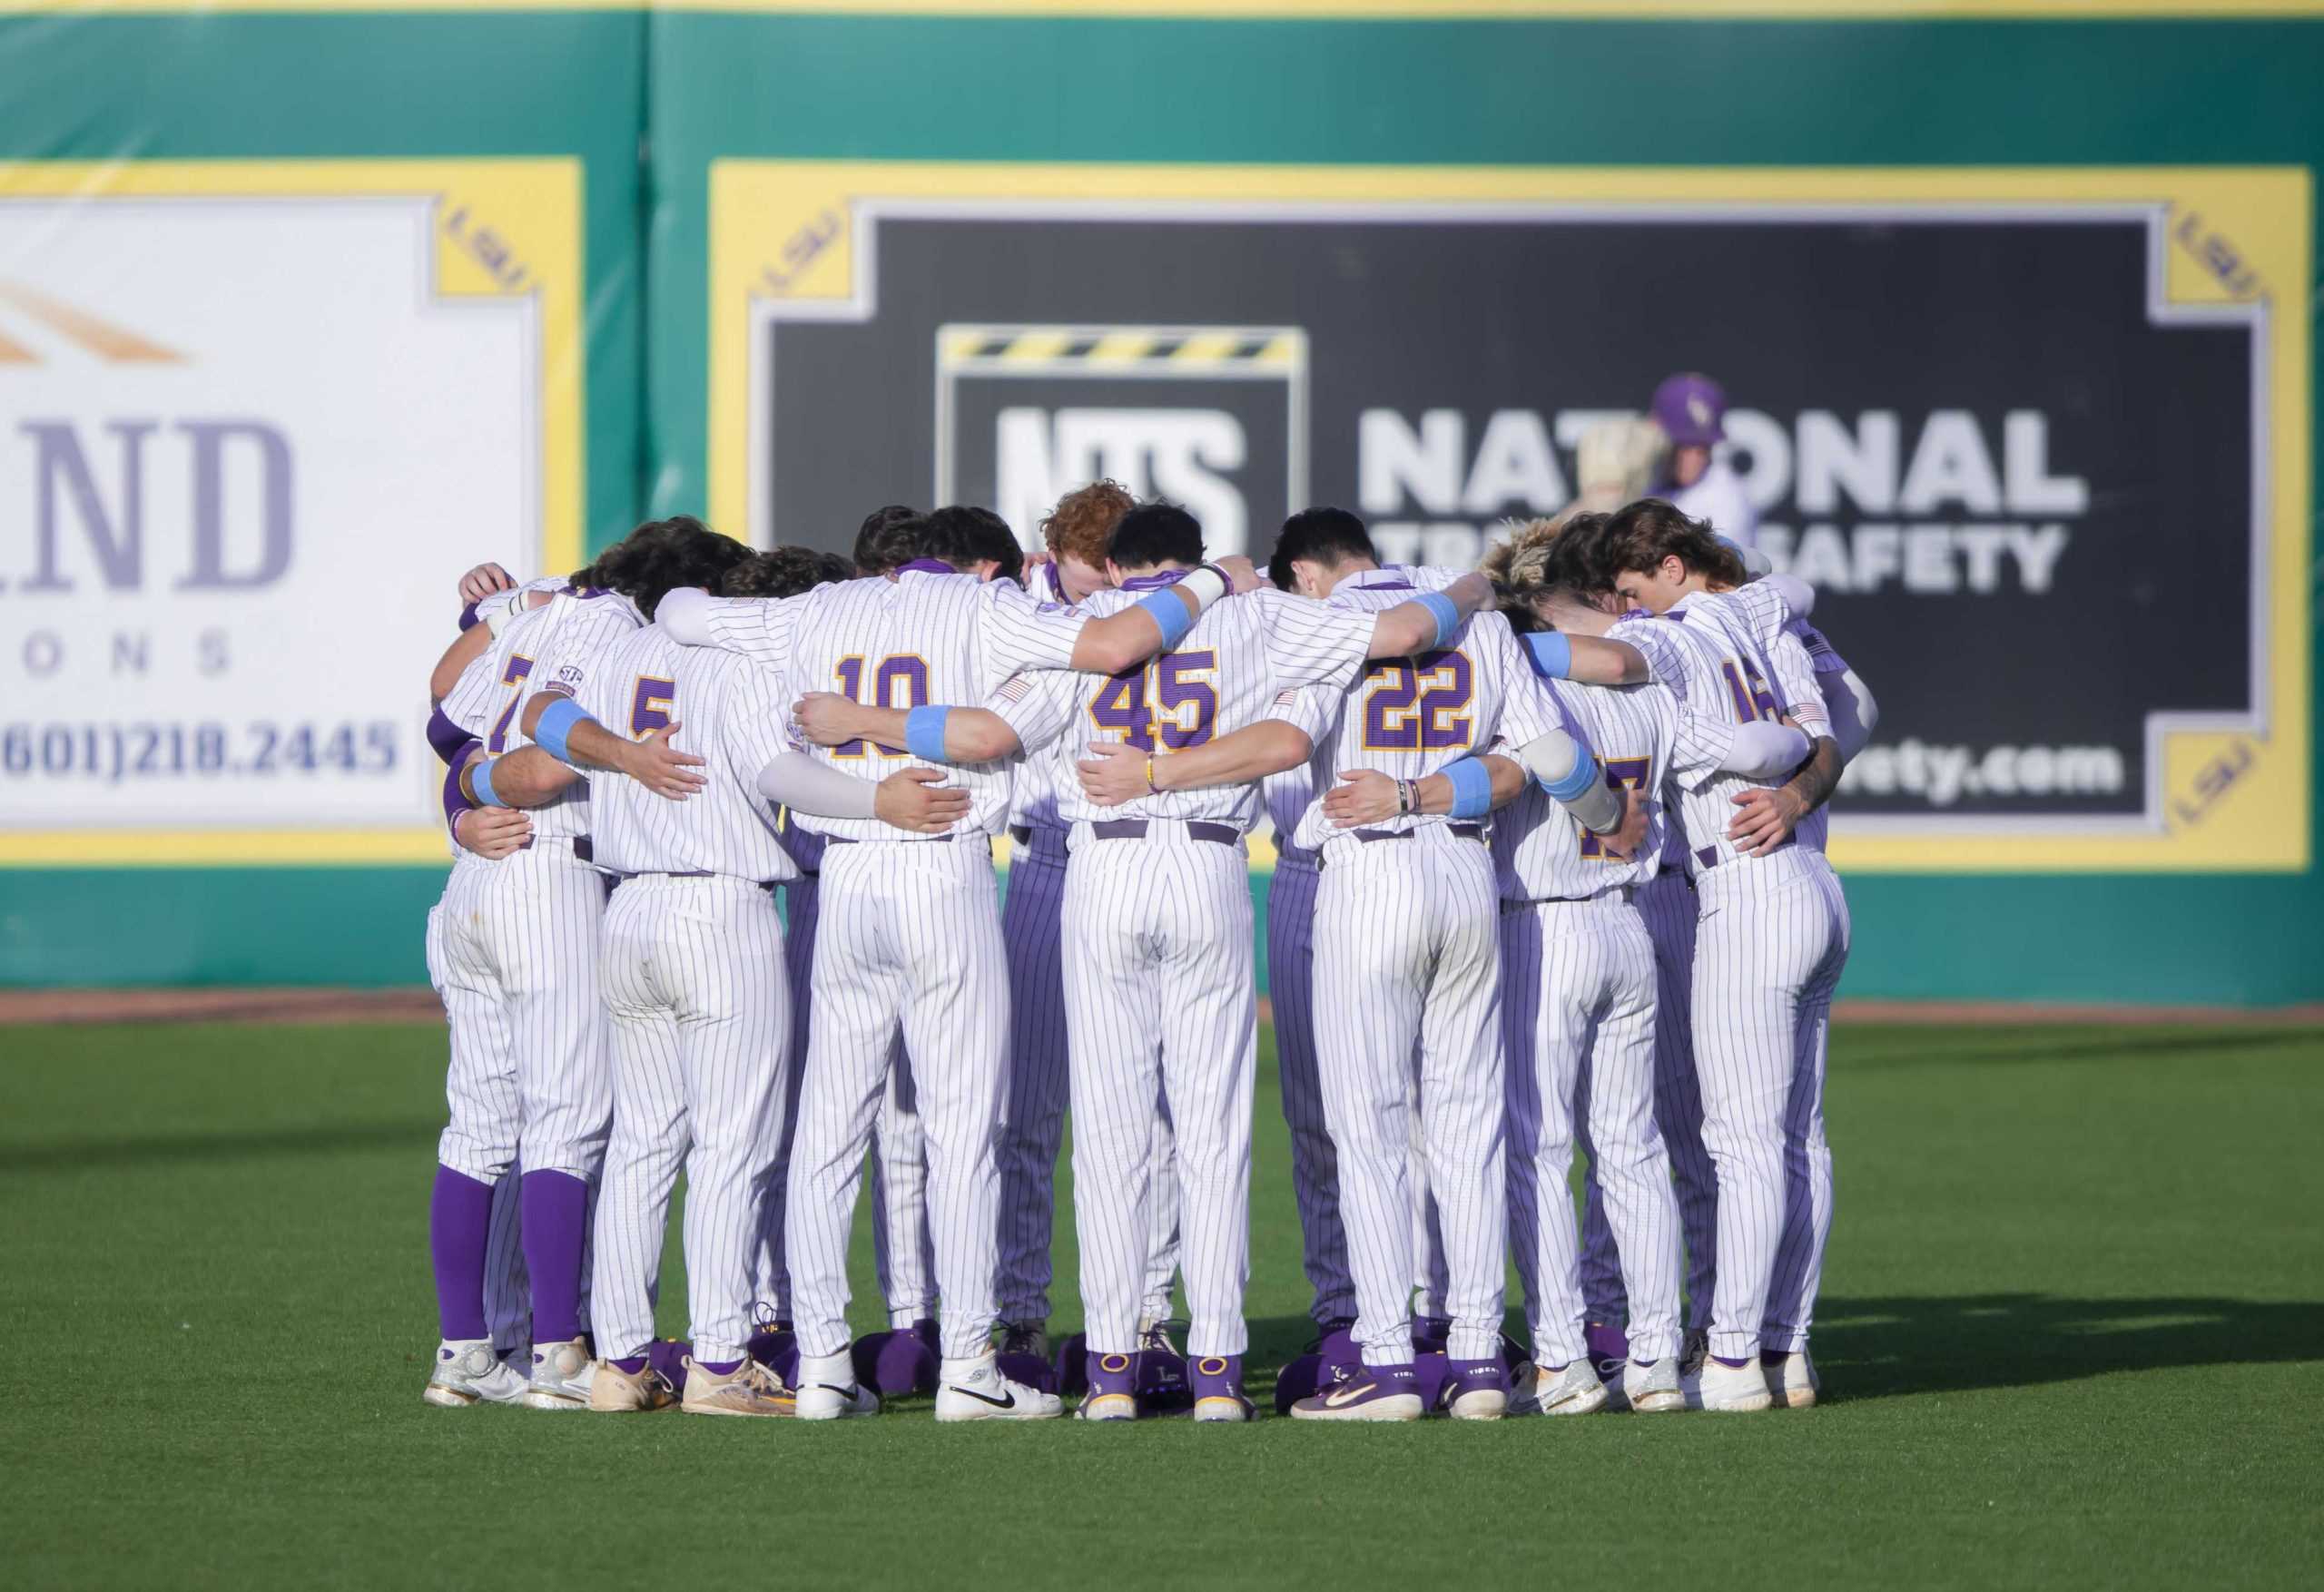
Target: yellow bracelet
(1150, 785)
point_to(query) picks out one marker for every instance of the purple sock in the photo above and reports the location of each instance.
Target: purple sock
(719, 1366)
(459, 1213)
(633, 1363)
(556, 1207)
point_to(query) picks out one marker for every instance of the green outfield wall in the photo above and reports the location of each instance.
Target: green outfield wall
(684, 239)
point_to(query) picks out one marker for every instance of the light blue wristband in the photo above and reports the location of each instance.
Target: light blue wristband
(1471, 788)
(1552, 654)
(1446, 613)
(556, 722)
(924, 733)
(1585, 774)
(480, 782)
(1169, 612)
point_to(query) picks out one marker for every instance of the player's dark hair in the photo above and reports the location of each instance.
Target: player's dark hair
(661, 555)
(1639, 536)
(833, 567)
(1544, 561)
(784, 572)
(962, 535)
(1328, 536)
(1155, 533)
(885, 540)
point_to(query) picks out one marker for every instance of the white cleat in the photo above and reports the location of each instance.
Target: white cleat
(828, 1390)
(974, 1390)
(1575, 1391)
(615, 1391)
(1651, 1390)
(1792, 1381)
(469, 1372)
(1726, 1389)
(561, 1376)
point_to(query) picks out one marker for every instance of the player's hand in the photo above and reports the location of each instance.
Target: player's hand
(912, 798)
(483, 581)
(1630, 833)
(1241, 572)
(493, 831)
(1766, 819)
(1114, 772)
(1362, 796)
(661, 767)
(827, 719)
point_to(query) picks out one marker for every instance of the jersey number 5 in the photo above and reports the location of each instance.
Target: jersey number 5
(904, 674)
(1173, 701)
(651, 703)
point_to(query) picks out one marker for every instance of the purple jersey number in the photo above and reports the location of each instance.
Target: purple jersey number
(1749, 692)
(1416, 705)
(651, 703)
(514, 675)
(1172, 701)
(908, 669)
(1623, 773)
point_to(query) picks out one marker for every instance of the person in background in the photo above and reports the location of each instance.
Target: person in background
(1691, 409)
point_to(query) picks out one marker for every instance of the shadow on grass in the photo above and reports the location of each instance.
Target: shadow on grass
(2039, 1045)
(181, 1149)
(1886, 1347)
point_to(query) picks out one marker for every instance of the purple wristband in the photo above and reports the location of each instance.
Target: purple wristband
(456, 801)
(467, 617)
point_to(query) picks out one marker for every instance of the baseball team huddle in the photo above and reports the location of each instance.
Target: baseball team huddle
(1550, 871)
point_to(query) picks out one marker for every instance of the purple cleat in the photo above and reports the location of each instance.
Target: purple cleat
(1375, 1393)
(1112, 1381)
(1430, 1334)
(1162, 1385)
(1218, 1389)
(1476, 1390)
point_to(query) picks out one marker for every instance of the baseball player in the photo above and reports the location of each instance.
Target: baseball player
(910, 937)
(1771, 940)
(1159, 901)
(1691, 410)
(512, 951)
(1033, 1125)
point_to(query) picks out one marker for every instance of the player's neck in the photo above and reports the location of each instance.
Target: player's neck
(1344, 573)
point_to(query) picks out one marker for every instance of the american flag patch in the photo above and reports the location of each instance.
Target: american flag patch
(1015, 689)
(1287, 696)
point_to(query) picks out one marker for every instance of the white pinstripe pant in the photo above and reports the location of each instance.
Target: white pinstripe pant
(1032, 1126)
(1577, 1009)
(1409, 955)
(1314, 1164)
(1161, 1006)
(1773, 941)
(903, 1252)
(701, 1041)
(908, 942)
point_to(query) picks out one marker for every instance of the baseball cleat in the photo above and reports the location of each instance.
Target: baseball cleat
(469, 1372)
(749, 1389)
(974, 1390)
(1375, 1393)
(1792, 1381)
(1219, 1390)
(1649, 1389)
(1476, 1390)
(561, 1376)
(615, 1391)
(1570, 1389)
(1112, 1381)
(1729, 1388)
(1025, 1338)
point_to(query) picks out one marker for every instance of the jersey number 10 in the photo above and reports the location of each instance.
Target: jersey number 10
(901, 674)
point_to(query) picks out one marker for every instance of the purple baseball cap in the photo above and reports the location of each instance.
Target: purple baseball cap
(1691, 408)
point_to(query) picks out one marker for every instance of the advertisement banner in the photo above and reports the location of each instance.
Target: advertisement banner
(2038, 437)
(254, 418)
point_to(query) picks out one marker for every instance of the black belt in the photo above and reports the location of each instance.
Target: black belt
(1134, 828)
(1620, 893)
(1707, 857)
(852, 840)
(1461, 832)
(583, 851)
(768, 885)
(1023, 833)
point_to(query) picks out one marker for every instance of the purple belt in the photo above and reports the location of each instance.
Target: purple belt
(1134, 828)
(1707, 857)
(1462, 831)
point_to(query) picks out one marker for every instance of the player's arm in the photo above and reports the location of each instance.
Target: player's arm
(1114, 772)
(1430, 620)
(526, 777)
(1586, 660)
(910, 798)
(466, 649)
(489, 831)
(1769, 815)
(1367, 796)
(933, 734)
(554, 722)
(1854, 713)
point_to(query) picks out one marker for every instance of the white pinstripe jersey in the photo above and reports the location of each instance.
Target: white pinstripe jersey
(730, 716)
(1413, 717)
(1800, 658)
(1287, 794)
(549, 648)
(1243, 659)
(927, 635)
(1642, 737)
(1040, 776)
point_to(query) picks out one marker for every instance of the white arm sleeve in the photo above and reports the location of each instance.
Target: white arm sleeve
(1798, 594)
(800, 782)
(1763, 748)
(684, 613)
(1554, 759)
(1854, 713)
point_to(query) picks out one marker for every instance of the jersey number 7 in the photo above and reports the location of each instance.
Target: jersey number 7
(1623, 773)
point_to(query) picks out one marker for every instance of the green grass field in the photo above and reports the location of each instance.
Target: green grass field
(2068, 1332)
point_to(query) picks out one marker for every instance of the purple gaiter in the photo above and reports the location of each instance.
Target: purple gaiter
(555, 1210)
(458, 1215)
